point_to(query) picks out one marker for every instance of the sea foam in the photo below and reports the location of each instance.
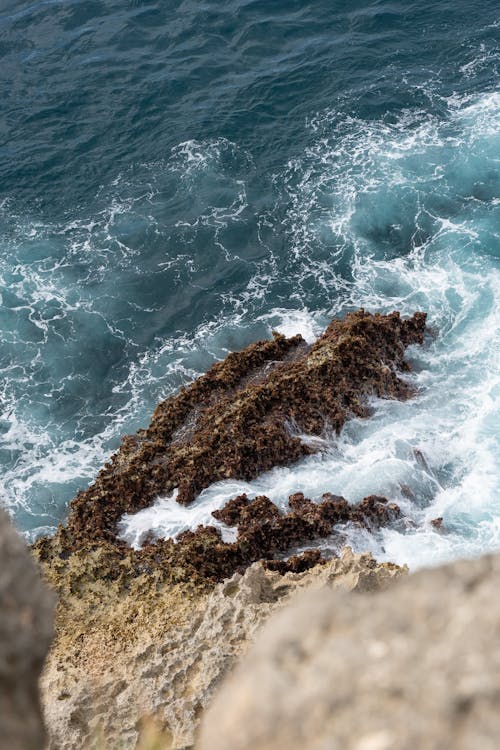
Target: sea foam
(412, 211)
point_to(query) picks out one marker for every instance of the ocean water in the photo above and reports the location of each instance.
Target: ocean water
(178, 179)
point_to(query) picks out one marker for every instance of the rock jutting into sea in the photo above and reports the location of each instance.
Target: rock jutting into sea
(246, 415)
(151, 632)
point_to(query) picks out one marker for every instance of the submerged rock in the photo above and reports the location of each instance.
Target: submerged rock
(416, 667)
(26, 613)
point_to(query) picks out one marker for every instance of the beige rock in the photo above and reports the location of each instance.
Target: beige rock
(167, 669)
(416, 667)
(26, 613)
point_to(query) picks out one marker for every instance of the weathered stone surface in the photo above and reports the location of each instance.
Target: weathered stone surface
(201, 557)
(26, 612)
(416, 667)
(164, 654)
(236, 421)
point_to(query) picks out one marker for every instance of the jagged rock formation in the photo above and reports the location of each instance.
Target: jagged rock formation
(201, 556)
(235, 421)
(143, 632)
(243, 416)
(264, 532)
(175, 652)
(26, 613)
(416, 667)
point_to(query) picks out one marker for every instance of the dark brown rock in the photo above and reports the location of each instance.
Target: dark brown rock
(263, 533)
(438, 523)
(297, 563)
(232, 422)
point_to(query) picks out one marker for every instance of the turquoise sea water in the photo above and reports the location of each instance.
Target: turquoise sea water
(178, 179)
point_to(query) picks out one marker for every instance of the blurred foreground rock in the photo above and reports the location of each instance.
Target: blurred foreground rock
(416, 667)
(26, 611)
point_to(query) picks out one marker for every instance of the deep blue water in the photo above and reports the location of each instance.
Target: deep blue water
(179, 178)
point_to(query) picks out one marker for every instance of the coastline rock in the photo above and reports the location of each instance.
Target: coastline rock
(148, 632)
(245, 415)
(264, 533)
(416, 667)
(26, 613)
(176, 650)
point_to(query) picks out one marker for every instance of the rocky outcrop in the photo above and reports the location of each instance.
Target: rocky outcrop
(245, 416)
(264, 533)
(416, 667)
(171, 651)
(26, 613)
(148, 632)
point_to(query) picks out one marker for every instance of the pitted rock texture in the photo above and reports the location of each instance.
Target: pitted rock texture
(416, 667)
(244, 415)
(26, 614)
(264, 531)
(170, 669)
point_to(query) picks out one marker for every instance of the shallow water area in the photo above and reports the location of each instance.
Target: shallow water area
(179, 181)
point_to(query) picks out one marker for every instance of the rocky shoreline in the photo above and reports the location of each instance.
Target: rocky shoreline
(161, 648)
(246, 415)
(152, 632)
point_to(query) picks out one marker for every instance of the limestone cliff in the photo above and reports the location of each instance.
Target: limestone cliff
(122, 656)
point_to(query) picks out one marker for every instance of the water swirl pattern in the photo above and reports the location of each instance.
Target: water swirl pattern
(178, 181)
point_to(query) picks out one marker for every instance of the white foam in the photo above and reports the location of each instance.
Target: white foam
(292, 322)
(166, 519)
(412, 182)
(385, 215)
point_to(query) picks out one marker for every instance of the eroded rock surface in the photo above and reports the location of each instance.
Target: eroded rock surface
(239, 419)
(243, 417)
(416, 667)
(148, 632)
(174, 653)
(265, 532)
(26, 613)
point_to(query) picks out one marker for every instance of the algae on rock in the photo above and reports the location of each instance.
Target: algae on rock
(148, 632)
